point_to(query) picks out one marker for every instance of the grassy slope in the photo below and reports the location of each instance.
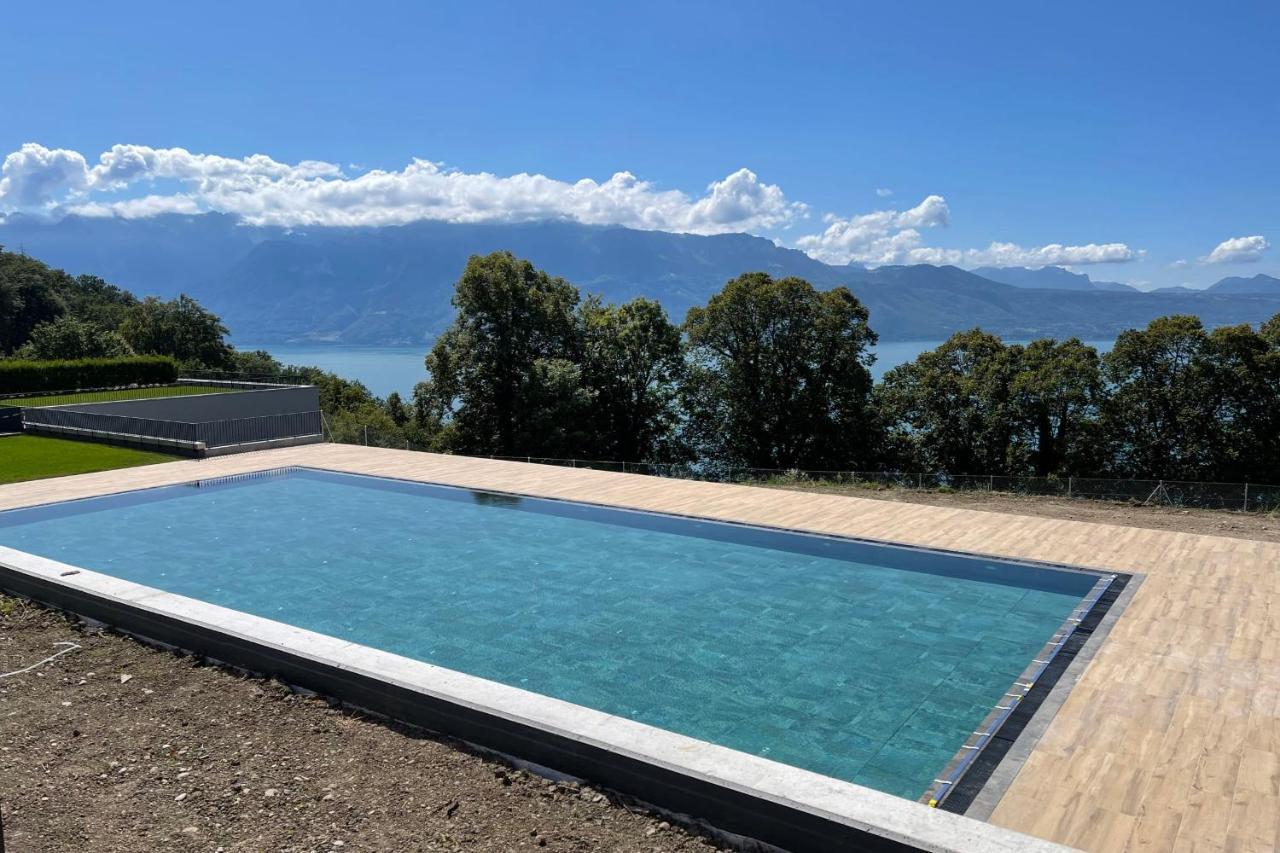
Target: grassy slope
(34, 457)
(111, 396)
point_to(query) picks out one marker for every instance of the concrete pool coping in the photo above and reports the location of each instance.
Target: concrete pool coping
(733, 791)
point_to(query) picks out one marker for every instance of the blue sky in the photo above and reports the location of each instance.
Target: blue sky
(1118, 137)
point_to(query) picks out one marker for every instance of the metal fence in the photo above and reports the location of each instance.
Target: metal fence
(1249, 497)
(212, 434)
(100, 395)
(264, 380)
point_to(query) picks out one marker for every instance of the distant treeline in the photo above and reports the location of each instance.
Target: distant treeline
(770, 373)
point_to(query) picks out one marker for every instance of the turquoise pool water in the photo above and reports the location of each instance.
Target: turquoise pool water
(863, 662)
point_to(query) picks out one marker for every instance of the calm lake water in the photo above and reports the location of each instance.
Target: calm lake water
(387, 369)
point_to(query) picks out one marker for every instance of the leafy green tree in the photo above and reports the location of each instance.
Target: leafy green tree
(632, 361)
(29, 295)
(258, 363)
(93, 300)
(69, 337)
(181, 328)
(490, 372)
(778, 375)
(952, 406)
(1241, 370)
(1160, 411)
(396, 409)
(1054, 394)
(1270, 332)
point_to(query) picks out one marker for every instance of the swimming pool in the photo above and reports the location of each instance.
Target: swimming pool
(867, 663)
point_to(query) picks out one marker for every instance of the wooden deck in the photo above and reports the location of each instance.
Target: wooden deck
(1171, 738)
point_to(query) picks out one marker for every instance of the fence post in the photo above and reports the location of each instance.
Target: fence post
(573, 463)
(991, 483)
(366, 435)
(1246, 497)
(920, 481)
(1069, 484)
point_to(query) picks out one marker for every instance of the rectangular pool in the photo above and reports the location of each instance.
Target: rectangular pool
(868, 663)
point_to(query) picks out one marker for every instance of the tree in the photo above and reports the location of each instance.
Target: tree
(631, 364)
(1054, 394)
(778, 375)
(180, 328)
(89, 298)
(490, 372)
(29, 295)
(1160, 411)
(952, 405)
(1241, 370)
(68, 337)
(396, 409)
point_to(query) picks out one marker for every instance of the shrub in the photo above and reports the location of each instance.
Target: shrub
(20, 376)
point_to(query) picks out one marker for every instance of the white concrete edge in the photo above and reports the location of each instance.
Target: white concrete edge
(853, 805)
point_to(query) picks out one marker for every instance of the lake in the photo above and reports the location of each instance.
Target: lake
(384, 369)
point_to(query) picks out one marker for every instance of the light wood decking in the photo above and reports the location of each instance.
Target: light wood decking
(1171, 738)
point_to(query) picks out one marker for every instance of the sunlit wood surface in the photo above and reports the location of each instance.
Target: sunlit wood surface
(1171, 739)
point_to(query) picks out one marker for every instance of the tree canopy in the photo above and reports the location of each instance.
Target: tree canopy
(778, 375)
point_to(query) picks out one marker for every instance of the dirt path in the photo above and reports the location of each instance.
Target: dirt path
(120, 747)
(1213, 522)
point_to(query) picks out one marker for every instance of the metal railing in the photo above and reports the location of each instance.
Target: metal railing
(265, 380)
(1187, 493)
(1248, 497)
(212, 434)
(98, 395)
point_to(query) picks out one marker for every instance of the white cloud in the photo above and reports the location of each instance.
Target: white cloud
(893, 237)
(136, 181)
(263, 191)
(1238, 250)
(34, 177)
(137, 208)
(882, 237)
(1013, 255)
(884, 192)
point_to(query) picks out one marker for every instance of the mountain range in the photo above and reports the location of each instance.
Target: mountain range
(391, 285)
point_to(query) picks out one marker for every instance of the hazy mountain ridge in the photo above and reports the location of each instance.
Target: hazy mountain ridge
(393, 284)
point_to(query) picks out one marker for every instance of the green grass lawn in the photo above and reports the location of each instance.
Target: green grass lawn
(111, 396)
(34, 457)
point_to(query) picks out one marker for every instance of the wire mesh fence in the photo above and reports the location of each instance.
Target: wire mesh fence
(1246, 497)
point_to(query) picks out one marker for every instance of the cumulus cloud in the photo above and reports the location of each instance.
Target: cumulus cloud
(881, 237)
(137, 181)
(137, 208)
(34, 177)
(1013, 255)
(263, 191)
(894, 237)
(884, 192)
(1238, 250)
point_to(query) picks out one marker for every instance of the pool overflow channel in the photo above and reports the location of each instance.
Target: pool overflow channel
(951, 775)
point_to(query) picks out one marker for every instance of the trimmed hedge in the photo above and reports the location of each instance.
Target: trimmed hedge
(21, 377)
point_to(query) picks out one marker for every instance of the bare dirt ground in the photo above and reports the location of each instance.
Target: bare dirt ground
(1213, 522)
(120, 747)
